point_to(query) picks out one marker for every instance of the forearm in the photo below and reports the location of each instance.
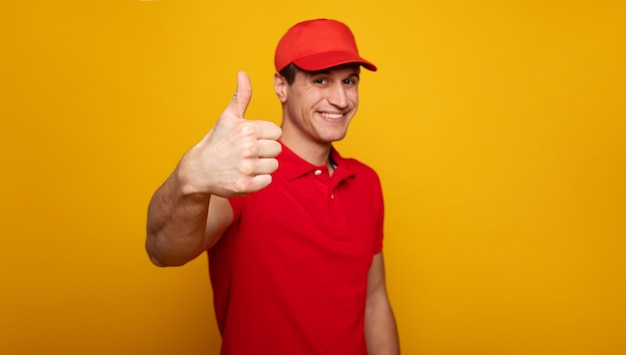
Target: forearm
(176, 224)
(381, 333)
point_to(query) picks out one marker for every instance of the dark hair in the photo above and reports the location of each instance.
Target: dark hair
(289, 73)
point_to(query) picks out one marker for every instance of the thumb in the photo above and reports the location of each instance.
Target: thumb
(242, 96)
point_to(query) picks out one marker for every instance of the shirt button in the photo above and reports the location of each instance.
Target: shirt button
(318, 172)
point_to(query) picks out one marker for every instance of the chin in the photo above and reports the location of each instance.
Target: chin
(335, 138)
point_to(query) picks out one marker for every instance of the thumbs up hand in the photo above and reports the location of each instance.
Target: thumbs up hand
(237, 156)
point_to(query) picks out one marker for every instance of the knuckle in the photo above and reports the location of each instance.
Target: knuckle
(249, 149)
(246, 128)
(241, 186)
(246, 167)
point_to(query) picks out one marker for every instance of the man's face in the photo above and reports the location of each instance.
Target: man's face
(320, 105)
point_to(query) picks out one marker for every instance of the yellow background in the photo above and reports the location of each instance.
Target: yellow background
(498, 129)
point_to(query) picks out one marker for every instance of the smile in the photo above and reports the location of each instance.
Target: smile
(332, 115)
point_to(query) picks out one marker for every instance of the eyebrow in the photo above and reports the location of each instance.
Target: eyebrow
(327, 72)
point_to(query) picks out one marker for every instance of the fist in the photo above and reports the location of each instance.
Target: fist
(237, 156)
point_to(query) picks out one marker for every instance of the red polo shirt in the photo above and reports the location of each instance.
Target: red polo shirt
(290, 274)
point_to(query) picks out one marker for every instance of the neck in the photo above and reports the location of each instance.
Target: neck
(316, 154)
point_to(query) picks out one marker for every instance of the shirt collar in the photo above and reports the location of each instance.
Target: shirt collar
(293, 166)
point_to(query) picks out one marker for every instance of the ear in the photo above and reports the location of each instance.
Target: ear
(280, 87)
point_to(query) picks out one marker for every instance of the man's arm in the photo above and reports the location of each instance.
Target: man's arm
(181, 227)
(190, 211)
(381, 333)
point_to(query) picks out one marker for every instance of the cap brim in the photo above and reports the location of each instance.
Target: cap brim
(321, 61)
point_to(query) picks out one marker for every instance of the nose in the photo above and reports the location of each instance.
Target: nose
(337, 96)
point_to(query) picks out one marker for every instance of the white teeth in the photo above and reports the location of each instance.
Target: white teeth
(332, 115)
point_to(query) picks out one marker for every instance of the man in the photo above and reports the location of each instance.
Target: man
(293, 230)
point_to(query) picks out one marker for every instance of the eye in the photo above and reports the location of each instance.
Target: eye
(350, 81)
(320, 81)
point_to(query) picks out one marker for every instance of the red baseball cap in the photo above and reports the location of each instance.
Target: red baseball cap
(318, 44)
